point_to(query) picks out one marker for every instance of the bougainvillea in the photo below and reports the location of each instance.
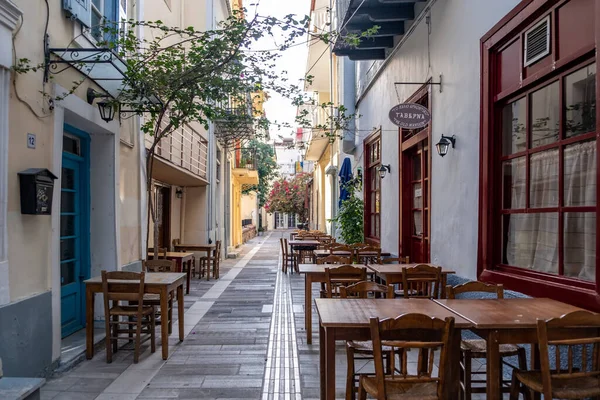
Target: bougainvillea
(289, 196)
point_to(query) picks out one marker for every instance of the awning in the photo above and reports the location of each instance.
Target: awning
(104, 68)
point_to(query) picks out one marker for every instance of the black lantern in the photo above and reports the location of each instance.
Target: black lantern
(179, 193)
(383, 170)
(107, 110)
(444, 144)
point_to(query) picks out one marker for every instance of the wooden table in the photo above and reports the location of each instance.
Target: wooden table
(505, 321)
(343, 253)
(208, 248)
(392, 274)
(348, 319)
(161, 283)
(181, 258)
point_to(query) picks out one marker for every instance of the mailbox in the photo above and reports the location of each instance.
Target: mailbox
(37, 185)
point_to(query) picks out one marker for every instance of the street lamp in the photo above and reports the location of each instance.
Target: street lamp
(444, 144)
(383, 170)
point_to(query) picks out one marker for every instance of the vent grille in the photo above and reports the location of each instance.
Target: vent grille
(537, 42)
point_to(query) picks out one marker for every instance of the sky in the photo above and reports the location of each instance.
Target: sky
(293, 60)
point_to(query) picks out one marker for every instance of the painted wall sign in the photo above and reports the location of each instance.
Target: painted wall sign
(410, 116)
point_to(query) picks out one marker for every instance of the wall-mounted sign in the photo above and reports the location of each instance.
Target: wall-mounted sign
(410, 116)
(31, 140)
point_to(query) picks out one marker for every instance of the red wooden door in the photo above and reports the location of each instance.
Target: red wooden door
(416, 189)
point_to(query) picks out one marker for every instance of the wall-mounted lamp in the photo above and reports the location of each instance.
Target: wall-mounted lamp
(444, 144)
(359, 174)
(106, 108)
(179, 193)
(383, 170)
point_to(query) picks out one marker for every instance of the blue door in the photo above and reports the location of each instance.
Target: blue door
(74, 229)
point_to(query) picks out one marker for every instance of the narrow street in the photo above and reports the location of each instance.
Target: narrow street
(244, 340)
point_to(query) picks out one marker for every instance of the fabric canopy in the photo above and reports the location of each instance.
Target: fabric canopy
(345, 177)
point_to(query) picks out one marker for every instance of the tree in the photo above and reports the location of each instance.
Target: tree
(175, 76)
(290, 197)
(267, 167)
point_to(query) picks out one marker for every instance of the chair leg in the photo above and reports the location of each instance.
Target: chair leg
(153, 332)
(350, 382)
(467, 373)
(522, 356)
(170, 313)
(115, 328)
(138, 337)
(108, 340)
(362, 393)
(514, 387)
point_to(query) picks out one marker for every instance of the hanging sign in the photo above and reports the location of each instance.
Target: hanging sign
(410, 116)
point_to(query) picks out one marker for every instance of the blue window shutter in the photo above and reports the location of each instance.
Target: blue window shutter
(79, 10)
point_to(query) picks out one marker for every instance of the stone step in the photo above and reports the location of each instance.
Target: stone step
(20, 388)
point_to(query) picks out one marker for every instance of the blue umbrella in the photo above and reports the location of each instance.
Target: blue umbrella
(345, 177)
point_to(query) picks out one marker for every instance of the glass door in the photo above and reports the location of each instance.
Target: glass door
(418, 186)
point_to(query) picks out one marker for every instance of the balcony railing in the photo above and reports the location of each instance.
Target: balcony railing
(246, 158)
(184, 148)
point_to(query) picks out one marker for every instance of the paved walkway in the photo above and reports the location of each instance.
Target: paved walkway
(244, 340)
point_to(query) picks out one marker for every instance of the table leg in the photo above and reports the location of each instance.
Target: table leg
(330, 363)
(89, 323)
(493, 366)
(210, 264)
(535, 365)
(308, 307)
(164, 323)
(453, 367)
(189, 275)
(322, 361)
(180, 311)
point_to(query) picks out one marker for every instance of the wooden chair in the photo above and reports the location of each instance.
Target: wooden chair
(286, 256)
(429, 335)
(162, 253)
(331, 259)
(138, 319)
(396, 260)
(363, 350)
(567, 381)
(154, 299)
(342, 275)
(216, 259)
(340, 247)
(421, 281)
(477, 349)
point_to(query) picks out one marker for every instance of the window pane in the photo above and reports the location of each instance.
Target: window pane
(545, 114)
(67, 225)
(418, 225)
(531, 241)
(580, 245)
(416, 164)
(417, 196)
(96, 28)
(377, 205)
(513, 127)
(68, 178)
(67, 273)
(580, 174)
(67, 249)
(71, 145)
(543, 178)
(67, 202)
(580, 102)
(513, 183)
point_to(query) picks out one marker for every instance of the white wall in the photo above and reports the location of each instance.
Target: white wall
(455, 53)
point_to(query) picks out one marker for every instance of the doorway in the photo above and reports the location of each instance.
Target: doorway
(162, 204)
(74, 228)
(417, 211)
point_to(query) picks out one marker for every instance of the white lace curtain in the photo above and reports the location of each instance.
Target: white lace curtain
(532, 239)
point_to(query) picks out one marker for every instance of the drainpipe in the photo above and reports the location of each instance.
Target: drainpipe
(332, 131)
(349, 99)
(227, 179)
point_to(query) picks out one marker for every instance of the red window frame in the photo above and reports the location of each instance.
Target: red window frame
(372, 160)
(573, 291)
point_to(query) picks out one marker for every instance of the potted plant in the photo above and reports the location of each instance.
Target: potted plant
(350, 218)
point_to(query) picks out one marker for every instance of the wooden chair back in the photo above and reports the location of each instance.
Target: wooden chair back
(162, 253)
(422, 281)
(373, 256)
(474, 286)
(417, 332)
(343, 275)
(115, 290)
(340, 247)
(356, 246)
(218, 250)
(161, 265)
(552, 332)
(363, 289)
(284, 246)
(396, 260)
(333, 259)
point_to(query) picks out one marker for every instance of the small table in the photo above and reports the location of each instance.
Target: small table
(298, 245)
(208, 248)
(348, 319)
(506, 321)
(392, 273)
(181, 258)
(161, 283)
